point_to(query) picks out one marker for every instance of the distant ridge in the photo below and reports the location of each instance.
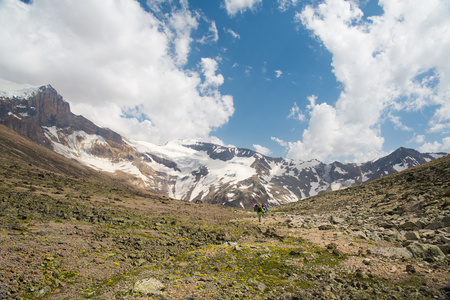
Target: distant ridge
(187, 170)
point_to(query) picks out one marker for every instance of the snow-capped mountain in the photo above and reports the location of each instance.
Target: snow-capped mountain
(186, 170)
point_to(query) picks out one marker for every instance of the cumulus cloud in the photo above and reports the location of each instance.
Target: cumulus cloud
(262, 150)
(233, 34)
(398, 123)
(279, 141)
(436, 146)
(278, 73)
(116, 64)
(284, 5)
(296, 113)
(233, 7)
(212, 36)
(419, 139)
(393, 62)
(212, 81)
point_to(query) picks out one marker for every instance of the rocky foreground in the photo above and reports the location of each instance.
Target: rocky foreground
(68, 233)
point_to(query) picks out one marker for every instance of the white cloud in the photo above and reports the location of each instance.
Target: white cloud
(262, 150)
(278, 73)
(248, 70)
(232, 33)
(116, 64)
(419, 139)
(284, 5)
(212, 81)
(233, 7)
(398, 123)
(436, 146)
(394, 62)
(213, 35)
(279, 141)
(328, 135)
(296, 113)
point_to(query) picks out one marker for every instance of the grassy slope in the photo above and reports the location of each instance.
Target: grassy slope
(67, 232)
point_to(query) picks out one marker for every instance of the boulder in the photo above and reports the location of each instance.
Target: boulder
(408, 225)
(428, 252)
(391, 252)
(259, 286)
(359, 234)
(336, 220)
(148, 286)
(391, 235)
(429, 235)
(445, 248)
(326, 227)
(440, 222)
(412, 236)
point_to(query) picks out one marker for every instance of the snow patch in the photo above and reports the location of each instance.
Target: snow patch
(14, 115)
(10, 89)
(400, 167)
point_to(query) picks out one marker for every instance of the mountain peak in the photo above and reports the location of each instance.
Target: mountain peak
(186, 169)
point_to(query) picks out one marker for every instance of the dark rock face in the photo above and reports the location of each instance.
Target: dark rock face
(47, 108)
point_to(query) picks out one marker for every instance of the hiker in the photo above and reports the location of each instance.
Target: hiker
(264, 207)
(260, 212)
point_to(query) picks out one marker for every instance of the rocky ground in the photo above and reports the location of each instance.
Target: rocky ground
(89, 237)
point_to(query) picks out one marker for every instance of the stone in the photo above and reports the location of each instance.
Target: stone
(447, 191)
(336, 220)
(326, 227)
(410, 269)
(331, 246)
(445, 239)
(148, 286)
(412, 236)
(428, 234)
(434, 226)
(445, 248)
(408, 225)
(139, 262)
(446, 221)
(437, 223)
(426, 251)
(258, 285)
(360, 235)
(392, 235)
(98, 260)
(338, 252)
(386, 225)
(391, 252)
(42, 292)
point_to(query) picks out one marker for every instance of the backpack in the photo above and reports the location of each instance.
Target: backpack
(259, 209)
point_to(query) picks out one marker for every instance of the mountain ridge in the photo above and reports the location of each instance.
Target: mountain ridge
(188, 170)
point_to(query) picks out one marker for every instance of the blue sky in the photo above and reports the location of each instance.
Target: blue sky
(325, 79)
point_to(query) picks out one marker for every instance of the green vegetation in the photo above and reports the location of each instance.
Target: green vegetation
(69, 232)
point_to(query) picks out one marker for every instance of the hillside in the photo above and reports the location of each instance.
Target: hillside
(68, 232)
(187, 170)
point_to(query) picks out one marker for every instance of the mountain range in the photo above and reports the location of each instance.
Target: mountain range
(185, 169)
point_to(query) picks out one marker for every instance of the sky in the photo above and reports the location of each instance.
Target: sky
(317, 79)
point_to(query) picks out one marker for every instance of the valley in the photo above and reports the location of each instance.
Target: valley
(70, 232)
